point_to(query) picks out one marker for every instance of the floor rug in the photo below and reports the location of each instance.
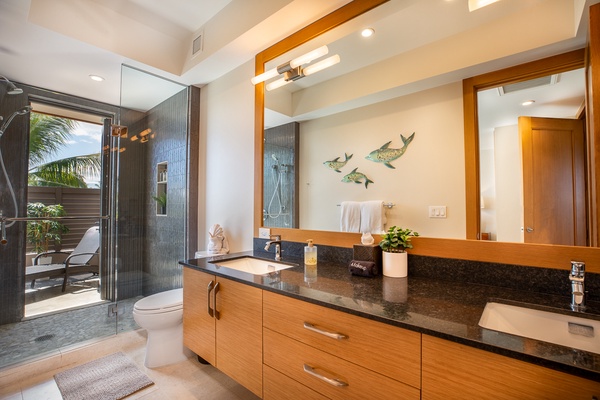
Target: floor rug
(108, 378)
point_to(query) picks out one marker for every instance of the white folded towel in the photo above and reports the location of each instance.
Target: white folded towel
(372, 216)
(350, 218)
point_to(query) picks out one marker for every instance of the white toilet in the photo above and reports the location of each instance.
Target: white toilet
(161, 314)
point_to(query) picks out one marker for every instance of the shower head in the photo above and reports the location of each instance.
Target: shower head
(12, 89)
(274, 157)
(6, 123)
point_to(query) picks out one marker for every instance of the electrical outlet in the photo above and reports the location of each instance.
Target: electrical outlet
(264, 233)
(437, 211)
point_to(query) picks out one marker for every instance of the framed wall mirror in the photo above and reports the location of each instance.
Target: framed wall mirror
(459, 238)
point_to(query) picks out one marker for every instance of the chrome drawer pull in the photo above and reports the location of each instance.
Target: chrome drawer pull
(331, 381)
(331, 335)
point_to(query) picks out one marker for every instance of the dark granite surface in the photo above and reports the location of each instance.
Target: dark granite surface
(445, 308)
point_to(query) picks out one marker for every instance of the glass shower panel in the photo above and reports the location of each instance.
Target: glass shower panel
(150, 242)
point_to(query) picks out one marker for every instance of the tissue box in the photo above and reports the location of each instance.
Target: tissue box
(367, 252)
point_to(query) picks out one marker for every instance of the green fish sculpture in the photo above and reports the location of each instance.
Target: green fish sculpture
(356, 177)
(335, 164)
(385, 155)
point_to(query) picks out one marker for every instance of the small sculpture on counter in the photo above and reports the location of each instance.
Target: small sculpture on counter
(217, 242)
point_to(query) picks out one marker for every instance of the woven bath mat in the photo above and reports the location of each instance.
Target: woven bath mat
(108, 378)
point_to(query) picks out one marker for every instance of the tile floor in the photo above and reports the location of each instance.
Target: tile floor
(185, 380)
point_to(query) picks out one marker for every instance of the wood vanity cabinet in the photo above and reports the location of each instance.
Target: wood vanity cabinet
(231, 338)
(455, 371)
(336, 354)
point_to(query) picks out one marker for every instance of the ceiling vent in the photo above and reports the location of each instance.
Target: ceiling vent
(198, 44)
(532, 83)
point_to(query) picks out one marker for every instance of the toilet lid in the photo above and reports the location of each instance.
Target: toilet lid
(171, 299)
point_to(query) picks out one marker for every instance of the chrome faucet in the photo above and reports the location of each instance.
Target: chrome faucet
(276, 240)
(577, 278)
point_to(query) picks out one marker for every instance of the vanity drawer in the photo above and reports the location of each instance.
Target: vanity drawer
(277, 386)
(388, 350)
(293, 358)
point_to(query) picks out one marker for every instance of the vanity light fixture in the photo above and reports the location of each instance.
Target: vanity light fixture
(477, 4)
(527, 103)
(292, 70)
(96, 78)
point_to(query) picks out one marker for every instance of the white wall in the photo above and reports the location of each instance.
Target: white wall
(430, 173)
(226, 180)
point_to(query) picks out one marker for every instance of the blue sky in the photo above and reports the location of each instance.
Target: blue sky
(86, 139)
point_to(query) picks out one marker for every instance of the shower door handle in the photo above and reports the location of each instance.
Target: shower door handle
(208, 290)
(215, 290)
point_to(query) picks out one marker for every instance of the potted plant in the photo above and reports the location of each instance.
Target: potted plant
(41, 233)
(161, 200)
(394, 258)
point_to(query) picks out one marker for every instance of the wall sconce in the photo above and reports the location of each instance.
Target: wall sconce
(118, 130)
(477, 4)
(292, 70)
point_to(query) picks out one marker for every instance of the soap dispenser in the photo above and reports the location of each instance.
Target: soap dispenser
(310, 253)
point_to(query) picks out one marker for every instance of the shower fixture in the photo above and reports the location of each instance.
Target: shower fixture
(3, 219)
(6, 123)
(12, 89)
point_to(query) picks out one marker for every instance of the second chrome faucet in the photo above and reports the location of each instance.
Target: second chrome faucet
(577, 279)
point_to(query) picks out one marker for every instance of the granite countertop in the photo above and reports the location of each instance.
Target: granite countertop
(445, 309)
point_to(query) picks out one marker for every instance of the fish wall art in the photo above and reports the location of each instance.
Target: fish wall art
(357, 177)
(336, 164)
(385, 155)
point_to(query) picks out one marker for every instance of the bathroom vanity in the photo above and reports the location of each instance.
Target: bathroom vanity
(285, 334)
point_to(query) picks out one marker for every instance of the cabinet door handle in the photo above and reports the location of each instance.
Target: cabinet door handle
(332, 335)
(208, 290)
(215, 290)
(332, 381)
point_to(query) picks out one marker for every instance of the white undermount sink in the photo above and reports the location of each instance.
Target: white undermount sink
(562, 329)
(252, 265)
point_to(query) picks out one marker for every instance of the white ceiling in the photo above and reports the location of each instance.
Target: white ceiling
(57, 44)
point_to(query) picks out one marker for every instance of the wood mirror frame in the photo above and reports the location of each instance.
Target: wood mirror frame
(546, 256)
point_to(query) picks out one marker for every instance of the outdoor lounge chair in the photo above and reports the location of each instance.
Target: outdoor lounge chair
(84, 258)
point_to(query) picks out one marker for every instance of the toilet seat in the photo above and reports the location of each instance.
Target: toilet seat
(171, 300)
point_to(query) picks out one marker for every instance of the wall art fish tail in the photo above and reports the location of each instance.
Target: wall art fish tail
(357, 177)
(385, 155)
(335, 164)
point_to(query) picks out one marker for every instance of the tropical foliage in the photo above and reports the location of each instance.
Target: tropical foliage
(41, 233)
(47, 136)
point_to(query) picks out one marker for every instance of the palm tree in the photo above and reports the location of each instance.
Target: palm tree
(47, 135)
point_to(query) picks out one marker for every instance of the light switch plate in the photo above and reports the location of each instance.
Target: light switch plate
(264, 233)
(437, 211)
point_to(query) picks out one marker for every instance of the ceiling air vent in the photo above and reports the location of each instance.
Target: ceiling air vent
(532, 83)
(197, 45)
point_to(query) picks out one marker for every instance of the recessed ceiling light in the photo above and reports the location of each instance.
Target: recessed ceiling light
(528, 102)
(367, 32)
(96, 78)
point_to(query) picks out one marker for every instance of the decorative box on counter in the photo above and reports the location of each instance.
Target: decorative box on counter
(367, 252)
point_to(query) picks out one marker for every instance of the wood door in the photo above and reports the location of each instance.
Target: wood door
(239, 333)
(553, 181)
(198, 326)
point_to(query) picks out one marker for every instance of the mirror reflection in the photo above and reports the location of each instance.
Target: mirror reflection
(522, 164)
(383, 91)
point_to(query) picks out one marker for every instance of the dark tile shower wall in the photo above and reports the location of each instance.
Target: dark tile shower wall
(165, 235)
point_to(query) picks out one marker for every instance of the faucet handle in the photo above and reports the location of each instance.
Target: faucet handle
(275, 237)
(577, 269)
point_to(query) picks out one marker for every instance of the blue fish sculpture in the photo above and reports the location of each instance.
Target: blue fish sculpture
(356, 177)
(335, 164)
(385, 155)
